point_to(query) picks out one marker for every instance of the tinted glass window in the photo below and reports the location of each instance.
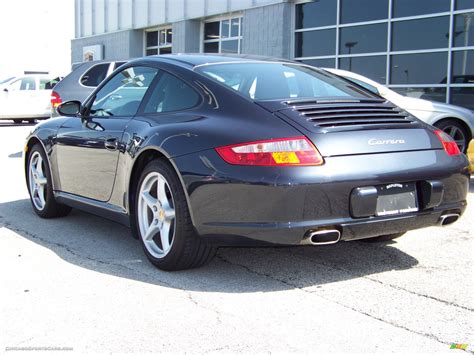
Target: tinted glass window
(432, 94)
(153, 51)
(314, 43)
(234, 27)
(363, 39)
(43, 82)
(463, 97)
(373, 67)
(171, 94)
(463, 67)
(117, 64)
(363, 10)
(165, 50)
(464, 30)
(211, 30)
(321, 63)
(152, 39)
(122, 94)
(420, 34)
(95, 75)
(403, 8)
(28, 83)
(212, 47)
(230, 46)
(464, 4)
(266, 81)
(422, 68)
(315, 14)
(3, 81)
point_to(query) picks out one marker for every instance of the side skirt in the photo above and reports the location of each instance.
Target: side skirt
(102, 209)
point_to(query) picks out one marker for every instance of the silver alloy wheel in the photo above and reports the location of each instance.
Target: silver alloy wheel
(457, 134)
(156, 215)
(37, 181)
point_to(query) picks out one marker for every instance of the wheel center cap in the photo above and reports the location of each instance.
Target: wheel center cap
(161, 214)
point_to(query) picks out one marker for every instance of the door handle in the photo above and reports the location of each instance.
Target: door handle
(111, 144)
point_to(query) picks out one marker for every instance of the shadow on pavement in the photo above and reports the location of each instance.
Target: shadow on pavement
(106, 247)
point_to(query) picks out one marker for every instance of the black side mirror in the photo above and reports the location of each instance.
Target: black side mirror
(70, 108)
(6, 90)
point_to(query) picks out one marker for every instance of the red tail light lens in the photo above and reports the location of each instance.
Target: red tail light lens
(449, 144)
(55, 99)
(297, 151)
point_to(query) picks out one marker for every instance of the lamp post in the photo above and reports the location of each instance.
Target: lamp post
(349, 46)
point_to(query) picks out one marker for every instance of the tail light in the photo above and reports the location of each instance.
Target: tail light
(297, 151)
(450, 146)
(55, 99)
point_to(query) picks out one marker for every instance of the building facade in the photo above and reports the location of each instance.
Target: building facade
(420, 48)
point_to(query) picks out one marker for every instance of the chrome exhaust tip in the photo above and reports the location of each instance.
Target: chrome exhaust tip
(324, 236)
(448, 218)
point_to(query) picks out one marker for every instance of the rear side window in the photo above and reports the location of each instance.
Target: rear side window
(27, 83)
(171, 94)
(117, 64)
(95, 75)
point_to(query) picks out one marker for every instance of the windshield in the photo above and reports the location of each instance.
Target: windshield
(273, 81)
(3, 81)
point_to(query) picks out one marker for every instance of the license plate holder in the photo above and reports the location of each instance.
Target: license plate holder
(396, 199)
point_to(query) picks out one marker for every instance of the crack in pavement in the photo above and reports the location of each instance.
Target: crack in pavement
(314, 293)
(187, 293)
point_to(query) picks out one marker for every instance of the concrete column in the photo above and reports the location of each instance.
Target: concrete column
(267, 31)
(186, 36)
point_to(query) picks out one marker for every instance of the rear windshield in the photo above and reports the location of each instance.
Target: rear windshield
(272, 81)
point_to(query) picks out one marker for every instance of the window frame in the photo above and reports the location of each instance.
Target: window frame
(219, 41)
(158, 47)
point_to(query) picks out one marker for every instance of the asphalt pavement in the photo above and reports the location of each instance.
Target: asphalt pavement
(82, 284)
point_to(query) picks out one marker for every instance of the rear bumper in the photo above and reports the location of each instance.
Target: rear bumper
(237, 205)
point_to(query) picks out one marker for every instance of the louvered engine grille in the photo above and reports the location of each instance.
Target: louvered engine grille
(342, 113)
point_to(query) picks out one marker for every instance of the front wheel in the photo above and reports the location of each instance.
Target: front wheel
(163, 221)
(40, 186)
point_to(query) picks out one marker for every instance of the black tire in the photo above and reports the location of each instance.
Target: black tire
(17, 121)
(383, 238)
(460, 134)
(187, 250)
(51, 208)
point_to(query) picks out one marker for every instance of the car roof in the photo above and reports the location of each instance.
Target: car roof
(193, 60)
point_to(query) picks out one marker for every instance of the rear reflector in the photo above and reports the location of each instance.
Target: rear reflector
(297, 151)
(449, 144)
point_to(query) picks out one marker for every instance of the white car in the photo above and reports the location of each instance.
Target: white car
(457, 121)
(25, 98)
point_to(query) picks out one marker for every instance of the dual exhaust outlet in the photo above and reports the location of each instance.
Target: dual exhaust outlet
(332, 236)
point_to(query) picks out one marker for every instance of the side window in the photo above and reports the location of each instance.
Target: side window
(43, 83)
(123, 93)
(27, 83)
(95, 75)
(117, 64)
(171, 94)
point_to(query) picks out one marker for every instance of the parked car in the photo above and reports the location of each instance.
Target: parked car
(470, 155)
(456, 121)
(194, 151)
(83, 79)
(25, 98)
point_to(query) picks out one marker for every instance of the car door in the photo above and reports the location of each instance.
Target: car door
(16, 98)
(88, 147)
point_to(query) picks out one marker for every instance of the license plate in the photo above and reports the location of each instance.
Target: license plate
(396, 199)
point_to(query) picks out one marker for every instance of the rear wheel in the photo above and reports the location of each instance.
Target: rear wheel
(40, 186)
(383, 238)
(457, 131)
(163, 221)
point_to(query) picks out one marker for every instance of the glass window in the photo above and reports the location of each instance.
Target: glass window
(211, 30)
(272, 81)
(373, 67)
(225, 29)
(3, 81)
(421, 68)
(117, 64)
(234, 27)
(403, 8)
(151, 39)
(153, 51)
(463, 30)
(165, 50)
(315, 14)
(43, 83)
(432, 94)
(123, 93)
(463, 97)
(363, 10)
(363, 39)
(27, 83)
(212, 47)
(171, 94)
(315, 43)
(95, 75)
(464, 4)
(369, 87)
(463, 67)
(321, 63)
(420, 34)
(230, 46)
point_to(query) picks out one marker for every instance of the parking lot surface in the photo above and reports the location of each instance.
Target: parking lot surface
(83, 283)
